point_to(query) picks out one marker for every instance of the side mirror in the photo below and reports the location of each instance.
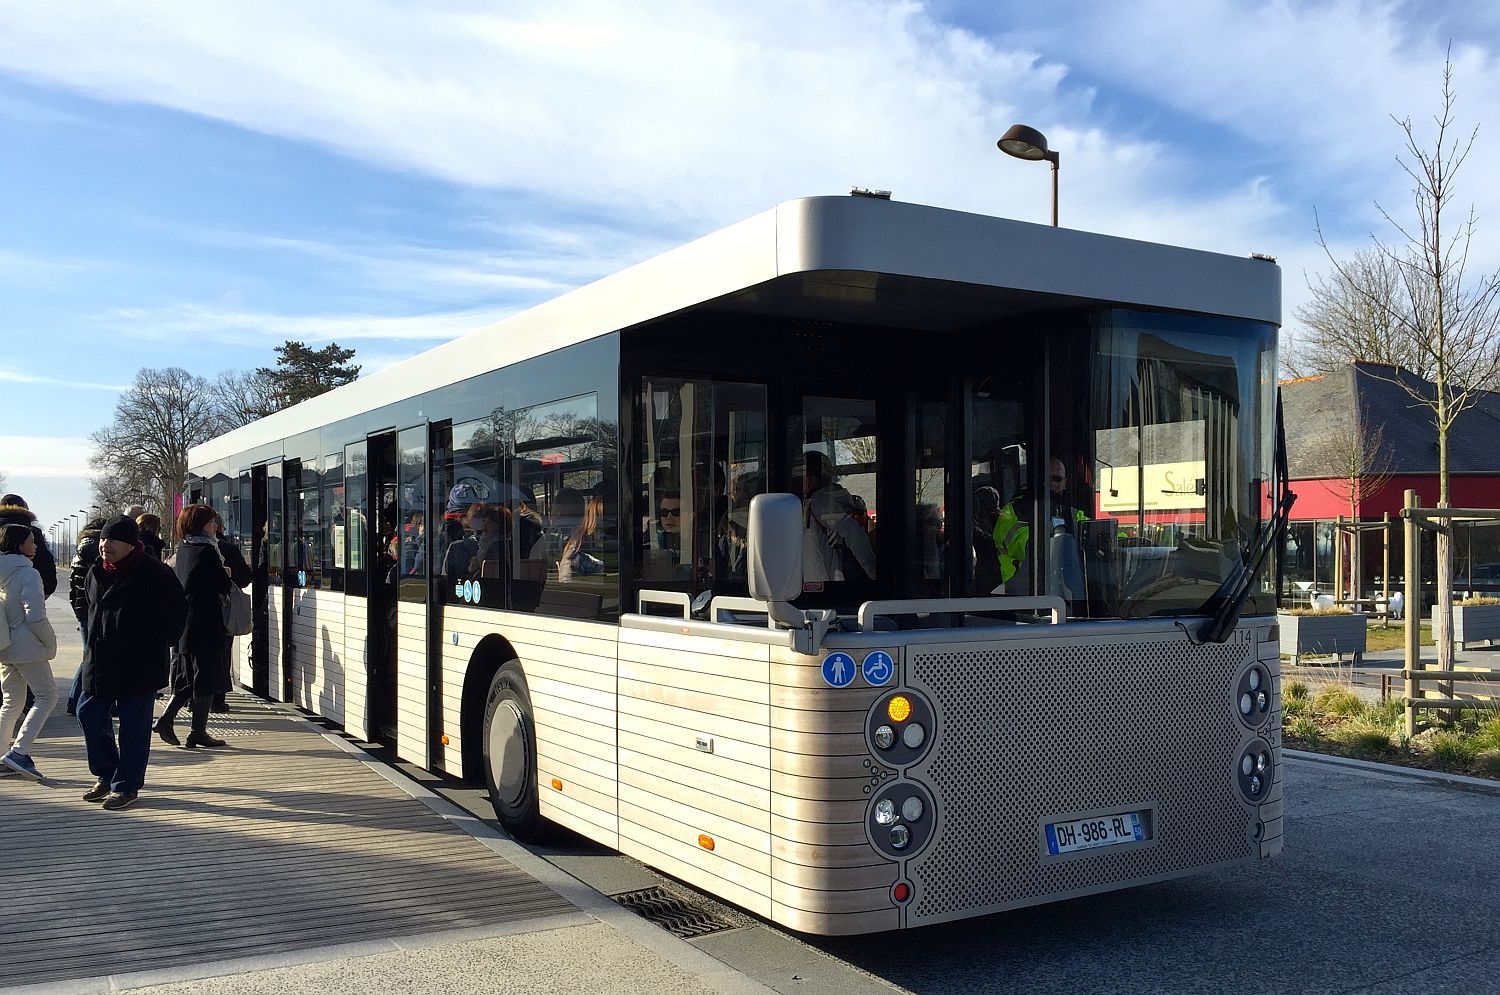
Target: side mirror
(774, 552)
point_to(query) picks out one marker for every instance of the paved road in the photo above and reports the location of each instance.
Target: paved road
(1387, 885)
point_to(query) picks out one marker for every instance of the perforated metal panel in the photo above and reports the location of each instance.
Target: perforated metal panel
(1028, 732)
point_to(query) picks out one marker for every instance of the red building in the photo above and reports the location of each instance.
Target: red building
(1365, 416)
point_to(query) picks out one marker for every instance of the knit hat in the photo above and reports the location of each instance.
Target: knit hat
(122, 529)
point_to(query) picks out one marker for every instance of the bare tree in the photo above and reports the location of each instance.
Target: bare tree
(163, 414)
(1448, 319)
(1358, 462)
(243, 396)
(1348, 320)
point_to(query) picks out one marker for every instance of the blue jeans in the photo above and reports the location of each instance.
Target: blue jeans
(123, 766)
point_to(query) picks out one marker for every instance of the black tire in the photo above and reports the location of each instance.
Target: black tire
(508, 739)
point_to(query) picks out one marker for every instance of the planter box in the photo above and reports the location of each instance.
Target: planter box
(1322, 634)
(1473, 623)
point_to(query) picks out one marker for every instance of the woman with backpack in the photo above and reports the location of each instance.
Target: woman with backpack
(201, 665)
(28, 646)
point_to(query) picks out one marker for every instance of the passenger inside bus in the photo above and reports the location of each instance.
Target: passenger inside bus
(835, 544)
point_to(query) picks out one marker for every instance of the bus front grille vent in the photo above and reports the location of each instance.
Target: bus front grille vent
(673, 914)
(1127, 723)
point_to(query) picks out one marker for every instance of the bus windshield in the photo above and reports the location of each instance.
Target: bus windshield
(1184, 453)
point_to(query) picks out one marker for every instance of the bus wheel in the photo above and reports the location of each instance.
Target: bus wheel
(510, 753)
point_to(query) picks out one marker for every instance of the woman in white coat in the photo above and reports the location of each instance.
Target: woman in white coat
(29, 648)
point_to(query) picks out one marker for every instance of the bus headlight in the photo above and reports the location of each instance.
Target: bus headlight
(900, 836)
(884, 737)
(1253, 772)
(1253, 694)
(911, 809)
(885, 811)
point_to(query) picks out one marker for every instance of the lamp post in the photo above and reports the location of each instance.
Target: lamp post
(1028, 143)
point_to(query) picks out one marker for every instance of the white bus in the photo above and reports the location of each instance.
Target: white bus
(998, 629)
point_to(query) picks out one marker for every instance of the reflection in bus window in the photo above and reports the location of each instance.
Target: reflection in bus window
(704, 459)
(837, 476)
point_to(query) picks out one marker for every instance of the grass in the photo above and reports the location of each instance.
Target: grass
(1335, 700)
(1378, 638)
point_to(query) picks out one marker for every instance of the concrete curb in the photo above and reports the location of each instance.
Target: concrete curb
(1396, 771)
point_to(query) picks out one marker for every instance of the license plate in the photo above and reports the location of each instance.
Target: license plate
(1101, 830)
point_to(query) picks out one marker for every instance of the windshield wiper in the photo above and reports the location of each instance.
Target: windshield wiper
(1231, 596)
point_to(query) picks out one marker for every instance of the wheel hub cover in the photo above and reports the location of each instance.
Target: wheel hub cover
(508, 752)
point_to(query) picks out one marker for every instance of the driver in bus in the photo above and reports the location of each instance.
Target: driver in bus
(1012, 531)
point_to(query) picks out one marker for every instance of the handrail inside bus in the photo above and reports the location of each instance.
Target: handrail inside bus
(678, 599)
(871, 610)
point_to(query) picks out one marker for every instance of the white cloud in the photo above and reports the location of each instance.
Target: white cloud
(168, 324)
(44, 457)
(674, 122)
(15, 376)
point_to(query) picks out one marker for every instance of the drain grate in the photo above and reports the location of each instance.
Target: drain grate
(672, 913)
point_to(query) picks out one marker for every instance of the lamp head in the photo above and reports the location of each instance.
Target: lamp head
(1025, 143)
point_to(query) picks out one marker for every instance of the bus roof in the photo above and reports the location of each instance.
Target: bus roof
(841, 235)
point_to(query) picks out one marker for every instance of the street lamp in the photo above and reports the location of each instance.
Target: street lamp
(1028, 143)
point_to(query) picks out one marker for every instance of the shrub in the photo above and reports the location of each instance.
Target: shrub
(1294, 691)
(1479, 599)
(1364, 736)
(1390, 712)
(1489, 762)
(1293, 707)
(1303, 728)
(1312, 612)
(1337, 700)
(1449, 749)
(1487, 735)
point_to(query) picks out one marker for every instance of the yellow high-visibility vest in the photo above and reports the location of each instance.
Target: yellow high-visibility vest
(1011, 535)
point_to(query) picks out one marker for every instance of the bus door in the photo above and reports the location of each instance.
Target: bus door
(261, 596)
(383, 541)
(415, 685)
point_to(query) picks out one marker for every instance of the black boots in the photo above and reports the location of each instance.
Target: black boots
(163, 728)
(199, 736)
(196, 738)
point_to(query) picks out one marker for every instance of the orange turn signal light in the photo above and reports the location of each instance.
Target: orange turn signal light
(556, 784)
(443, 739)
(898, 708)
(705, 841)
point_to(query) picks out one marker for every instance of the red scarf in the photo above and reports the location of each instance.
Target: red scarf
(128, 561)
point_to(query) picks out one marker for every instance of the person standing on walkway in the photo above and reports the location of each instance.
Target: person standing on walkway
(13, 511)
(136, 612)
(151, 534)
(84, 557)
(201, 667)
(24, 659)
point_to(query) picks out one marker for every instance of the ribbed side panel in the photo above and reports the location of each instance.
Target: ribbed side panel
(673, 690)
(318, 631)
(411, 681)
(356, 622)
(275, 640)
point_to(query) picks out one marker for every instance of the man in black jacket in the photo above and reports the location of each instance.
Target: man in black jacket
(13, 511)
(136, 611)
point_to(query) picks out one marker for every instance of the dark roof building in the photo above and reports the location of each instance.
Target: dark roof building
(1371, 405)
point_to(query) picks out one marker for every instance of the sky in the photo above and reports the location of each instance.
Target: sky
(191, 184)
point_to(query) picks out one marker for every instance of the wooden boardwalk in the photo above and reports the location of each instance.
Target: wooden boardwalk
(283, 841)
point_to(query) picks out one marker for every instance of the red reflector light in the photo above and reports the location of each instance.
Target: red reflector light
(901, 892)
